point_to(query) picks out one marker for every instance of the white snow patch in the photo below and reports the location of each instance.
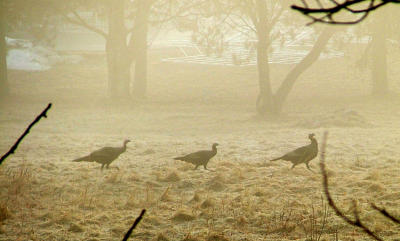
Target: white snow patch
(24, 56)
(25, 60)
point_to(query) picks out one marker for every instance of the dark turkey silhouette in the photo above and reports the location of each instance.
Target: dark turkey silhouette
(104, 156)
(200, 157)
(303, 154)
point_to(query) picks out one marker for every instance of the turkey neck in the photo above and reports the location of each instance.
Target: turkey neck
(214, 150)
(124, 147)
(314, 143)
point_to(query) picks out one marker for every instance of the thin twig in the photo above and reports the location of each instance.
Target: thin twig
(331, 203)
(15, 146)
(128, 234)
(385, 213)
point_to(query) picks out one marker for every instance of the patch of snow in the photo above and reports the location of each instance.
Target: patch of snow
(21, 59)
(24, 56)
(18, 43)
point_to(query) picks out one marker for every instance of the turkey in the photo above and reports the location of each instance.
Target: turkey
(199, 158)
(302, 154)
(105, 156)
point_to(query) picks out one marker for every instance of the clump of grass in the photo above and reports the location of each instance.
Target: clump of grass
(373, 176)
(130, 201)
(75, 228)
(207, 204)
(376, 188)
(182, 216)
(190, 238)
(165, 197)
(19, 179)
(114, 178)
(217, 237)
(195, 198)
(161, 237)
(171, 177)
(242, 221)
(217, 186)
(86, 200)
(4, 212)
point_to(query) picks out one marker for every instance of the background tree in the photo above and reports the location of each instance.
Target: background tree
(260, 19)
(125, 38)
(379, 34)
(382, 32)
(30, 18)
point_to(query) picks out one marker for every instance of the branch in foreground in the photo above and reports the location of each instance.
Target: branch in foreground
(385, 213)
(15, 146)
(326, 15)
(357, 222)
(138, 219)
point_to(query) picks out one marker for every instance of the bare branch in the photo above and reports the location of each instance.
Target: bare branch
(349, 6)
(78, 20)
(138, 219)
(82, 22)
(385, 213)
(15, 146)
(357, 222)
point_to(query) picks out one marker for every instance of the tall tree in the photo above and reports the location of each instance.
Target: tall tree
(379, 66)
(261, 18)
(119, 46)
(126, 38)
(140, 34)
(31, 17)
(382, 28)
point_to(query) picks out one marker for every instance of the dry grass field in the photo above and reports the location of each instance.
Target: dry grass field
(45, 196)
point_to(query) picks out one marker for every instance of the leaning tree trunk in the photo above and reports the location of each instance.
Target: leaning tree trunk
(139, 36)
(4, 91)
(116, 51)
(379, 57)
(265, 104)
(290, 79)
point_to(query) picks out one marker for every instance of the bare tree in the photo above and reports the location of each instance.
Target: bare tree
(354, 11)
(125, 44)
(260, 19)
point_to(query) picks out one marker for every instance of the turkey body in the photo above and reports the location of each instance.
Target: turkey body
(105, 155)
(302, 154)
(199, 158)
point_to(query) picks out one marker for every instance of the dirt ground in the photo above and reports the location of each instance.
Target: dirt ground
(45, 196)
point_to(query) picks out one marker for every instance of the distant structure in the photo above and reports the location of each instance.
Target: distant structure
(240, 51)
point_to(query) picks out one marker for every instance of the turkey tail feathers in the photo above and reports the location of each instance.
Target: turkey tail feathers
(84, 159)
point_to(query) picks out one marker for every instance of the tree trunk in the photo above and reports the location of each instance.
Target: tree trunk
(116, 51)
(379, 54)
(139, 36)
(4, 91)
(287, 85)
(265, 103)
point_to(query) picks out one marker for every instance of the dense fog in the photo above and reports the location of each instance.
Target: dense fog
(208, 114)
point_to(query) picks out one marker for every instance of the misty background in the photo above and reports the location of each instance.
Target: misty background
(176, 76)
